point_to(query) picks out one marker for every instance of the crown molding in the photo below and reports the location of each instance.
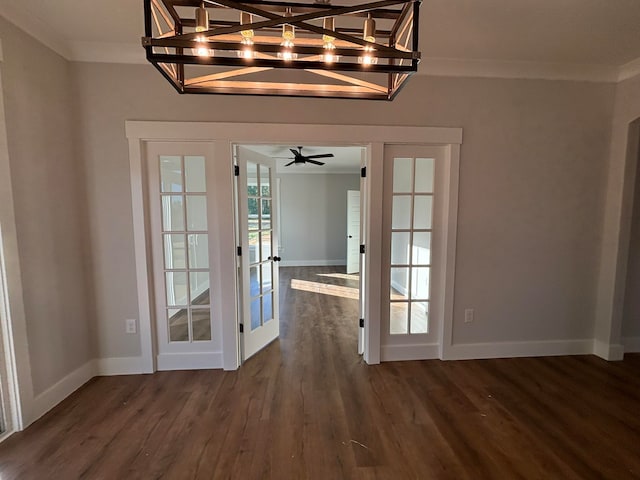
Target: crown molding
(629, 70)
(35, 27)
(452, 67)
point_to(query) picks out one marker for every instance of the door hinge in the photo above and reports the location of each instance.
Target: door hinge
(239, 251)
(361, 248)
(242, 328)
(236, 170)
(363, 172)
(362, 323)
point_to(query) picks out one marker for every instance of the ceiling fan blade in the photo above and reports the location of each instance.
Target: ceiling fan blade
(295, 153)
(290, 163)
(283, 158)
(314, 162)
(322, 155)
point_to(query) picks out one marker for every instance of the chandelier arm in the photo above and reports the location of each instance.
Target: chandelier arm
(163, 13)
(396, 26)
(348, 79)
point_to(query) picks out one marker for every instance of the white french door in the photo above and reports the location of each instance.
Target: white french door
(258, 227)
(353, 231)
(182, 236)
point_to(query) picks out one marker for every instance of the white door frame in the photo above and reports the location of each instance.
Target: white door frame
(223, 136)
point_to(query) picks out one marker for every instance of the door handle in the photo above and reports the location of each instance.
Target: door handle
(350, 236)
(276, 259)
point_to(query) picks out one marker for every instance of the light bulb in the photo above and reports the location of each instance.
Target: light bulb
(286, 54)
(368, 35)
(329, 56)
(246, 51)
(202, 50)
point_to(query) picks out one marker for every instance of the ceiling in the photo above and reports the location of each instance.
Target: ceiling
(597, 38)
(345, 159)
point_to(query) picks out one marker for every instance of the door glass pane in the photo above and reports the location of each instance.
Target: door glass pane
(176, 287)
(419, 317)
(201, 324)
(424, 175)
(255, 313)
(421, 252)
(253, 219)
(399, 283)
(402, 175)
(265, 238)
(401, 215)
(174, 252)
(252, 179)
(265, 223)
(198, 250)
(265, 187)
(399, 318)
(267, 307)
(400, 248)
(194, 174)
(170, 174)
(199, 286)
(422, 209)
(178, 324)
(254, 281)
(254, 246)
(420, 283)
(196, 213)
(172, 213)
(267, 283)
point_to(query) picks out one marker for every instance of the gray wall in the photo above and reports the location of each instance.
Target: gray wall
(313, 219)
(532, 183)
(49, 198)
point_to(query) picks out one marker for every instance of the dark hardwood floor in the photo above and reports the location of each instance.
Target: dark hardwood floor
(308, 407)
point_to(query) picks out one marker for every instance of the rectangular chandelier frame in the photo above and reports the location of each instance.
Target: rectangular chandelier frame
(249, 47)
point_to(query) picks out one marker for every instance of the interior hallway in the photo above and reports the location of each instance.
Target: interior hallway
(308, 407)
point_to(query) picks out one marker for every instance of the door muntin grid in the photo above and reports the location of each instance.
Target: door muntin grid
(411, 238)
(185, 244)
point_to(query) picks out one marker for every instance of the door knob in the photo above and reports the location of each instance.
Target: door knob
(276, 259)
(350, 236)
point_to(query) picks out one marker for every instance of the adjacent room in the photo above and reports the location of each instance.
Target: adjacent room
(319, 240)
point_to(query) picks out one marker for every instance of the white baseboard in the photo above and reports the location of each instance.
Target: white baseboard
(613, 352)
(468, 351)
(120, 366)
(53, 395)
(631, 344)
(190, 361)
(313, 263)
(396, 353)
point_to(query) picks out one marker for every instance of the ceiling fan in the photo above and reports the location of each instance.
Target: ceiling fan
(298, 157)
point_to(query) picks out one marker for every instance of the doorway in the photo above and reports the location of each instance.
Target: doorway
(295, 209)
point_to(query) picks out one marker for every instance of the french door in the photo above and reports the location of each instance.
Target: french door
(258, 230)
(182, 237)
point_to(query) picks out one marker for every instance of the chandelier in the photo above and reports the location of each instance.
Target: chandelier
(264, 47)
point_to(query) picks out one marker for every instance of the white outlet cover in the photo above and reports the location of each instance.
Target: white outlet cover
(131, 325)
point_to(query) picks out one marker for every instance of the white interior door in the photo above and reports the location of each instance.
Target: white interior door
(180, 207)
(353, 231)
(258, 222)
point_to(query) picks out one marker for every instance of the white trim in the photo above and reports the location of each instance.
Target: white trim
(610, 352)
(190, 361)
(313, 263)
(18, 350)
(120, 366)
(142, 257)
(470, 351)
(61, 390)
(395, 353)
(629, 70)
(631, 344)
(455, 67)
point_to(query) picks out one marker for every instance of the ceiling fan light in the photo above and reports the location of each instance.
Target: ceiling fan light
(202, 19)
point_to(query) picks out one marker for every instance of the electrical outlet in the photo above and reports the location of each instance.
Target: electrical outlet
(131, 326)
(468, 315)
